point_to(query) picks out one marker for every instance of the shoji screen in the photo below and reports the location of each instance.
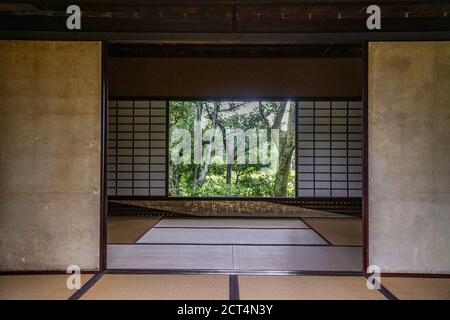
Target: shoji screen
(137, 148)
(329, 149)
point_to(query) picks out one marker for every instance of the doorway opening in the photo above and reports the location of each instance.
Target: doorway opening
(211, 169)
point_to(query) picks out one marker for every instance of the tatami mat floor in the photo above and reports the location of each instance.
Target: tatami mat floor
(345, 232)
(305, 288)
(220, 287)
(289, 244)
(160, 287)
(37, 287)
(418, 288)
(232, 236)
(128, 229)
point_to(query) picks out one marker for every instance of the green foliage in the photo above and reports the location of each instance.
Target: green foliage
(245, 180)
(257, 184)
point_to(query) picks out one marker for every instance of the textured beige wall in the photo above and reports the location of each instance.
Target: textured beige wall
(50, 106)
(409, 156)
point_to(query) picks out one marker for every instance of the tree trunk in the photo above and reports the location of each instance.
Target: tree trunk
(228, 154)
(229, 172)
(204, 171)
(174, 180)
(199, 108)
(286, 149)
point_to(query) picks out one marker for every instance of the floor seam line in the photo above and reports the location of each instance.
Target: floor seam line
(148, 230)
(233, 244)
(383, 290)
(232, 257)
(233, 287)
(230, 288)
(85, 288)
(315, 231)
(237, 272)
(233, 228)
(387, 293)
(236, 288)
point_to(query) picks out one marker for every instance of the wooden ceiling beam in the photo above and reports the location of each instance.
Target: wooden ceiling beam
(220, 17)
(228, 38)
(222, 2)
(205, 23)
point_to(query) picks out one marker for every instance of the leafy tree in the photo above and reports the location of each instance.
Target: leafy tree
(231, 178)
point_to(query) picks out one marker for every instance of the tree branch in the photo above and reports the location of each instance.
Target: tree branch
(279, 115)
(263, 115)
(233, 106)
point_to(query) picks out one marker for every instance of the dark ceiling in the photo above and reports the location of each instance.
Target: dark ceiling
(237, 51)
(226, 16)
